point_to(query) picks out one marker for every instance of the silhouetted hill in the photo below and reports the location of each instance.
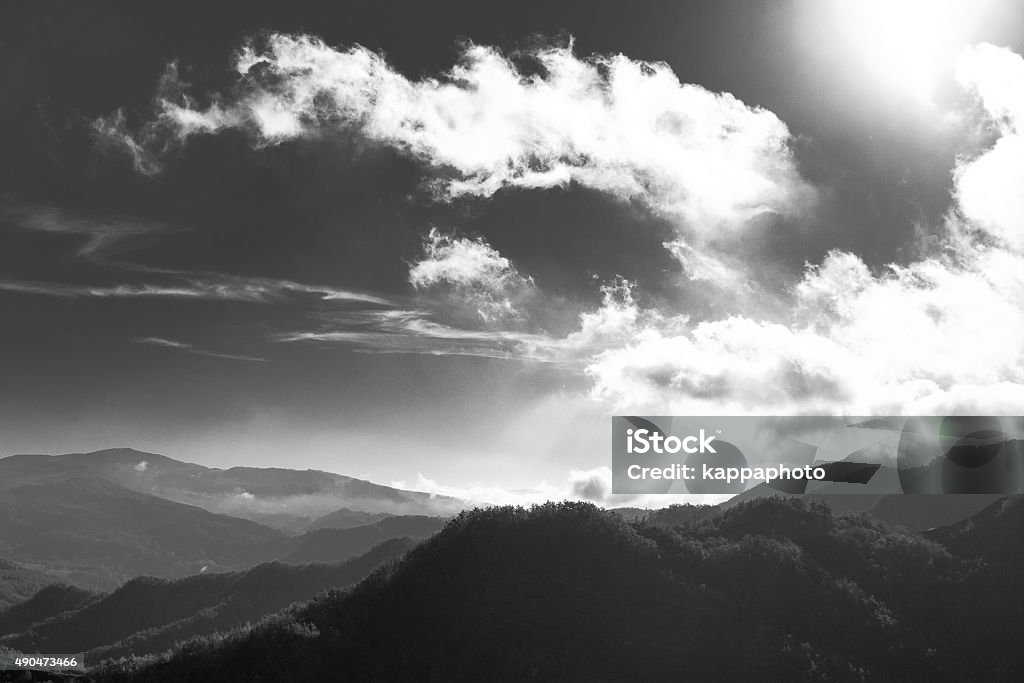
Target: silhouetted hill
(48, 602)
(102, 533)
(284, 498)
(506, 593)
(919, 512)
(150, 615)
(995, 533)
(772, 589)
(916, 512)
(337, 545)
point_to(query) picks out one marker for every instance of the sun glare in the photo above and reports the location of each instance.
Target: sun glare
(910, 44)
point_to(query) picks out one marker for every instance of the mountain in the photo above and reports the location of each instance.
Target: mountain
(336, 545)
(922, 511)
(997, 532)
(345, 518)
(883, 499)
(150, 615)
(284, 498)
(100, 533)
(772, 589)
(97, 519)
(17, 582)
(48, 602)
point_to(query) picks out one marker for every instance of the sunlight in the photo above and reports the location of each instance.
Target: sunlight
(909, 44)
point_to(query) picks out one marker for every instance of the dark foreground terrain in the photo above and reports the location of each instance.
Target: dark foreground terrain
(770, 589)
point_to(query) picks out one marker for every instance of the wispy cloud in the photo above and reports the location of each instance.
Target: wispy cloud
(101, 237)
(216, 288)
(412, 331)
(192, 290)
(190, 348)
(267, 289)
(419, 331)
(106, 236)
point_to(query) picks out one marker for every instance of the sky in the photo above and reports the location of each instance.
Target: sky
(439, 245)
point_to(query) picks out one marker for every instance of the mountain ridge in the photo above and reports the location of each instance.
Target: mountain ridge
(769, 589)
(148, 614)
(287, 499)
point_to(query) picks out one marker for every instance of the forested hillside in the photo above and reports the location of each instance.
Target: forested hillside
(771, 589)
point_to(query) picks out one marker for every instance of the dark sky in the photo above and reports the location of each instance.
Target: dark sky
(154, 310)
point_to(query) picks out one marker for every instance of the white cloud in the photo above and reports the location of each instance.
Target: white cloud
(588, 485)
(141, 466)
(922, 338)
(990, 187)
(616, 125)
(482, 493)
(941, 334)
(995, 74)
(475, 273)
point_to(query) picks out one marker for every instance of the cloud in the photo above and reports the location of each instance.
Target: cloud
(194, 289)
(189, 348)
(260, 289)
(594, 485)
(616, 125)
(141, 466)
(474, 273)
(995, 75)
(989, 187)
(936, 335)
(212, 287)
(413, 331)
(399, 330)
(115, 291)
(943, 333)
(545, 118)
(590, 485)
(102, 237)
(106, 236)
(482, 493)
(939, 335)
